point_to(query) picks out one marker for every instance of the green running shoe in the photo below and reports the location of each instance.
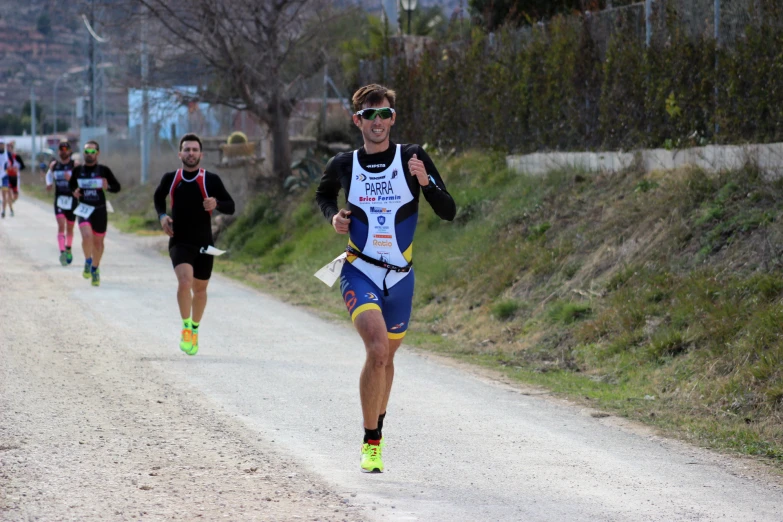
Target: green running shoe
(371, 458)
(63, 259)
(194, 338)
(68, 257)
(96, 277)
(186, 341)
(86, 272)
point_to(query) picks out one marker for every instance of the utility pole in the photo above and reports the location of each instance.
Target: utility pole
(33, 130)
(92, 66)
(717, 76)
(145, 105)
(647, 22)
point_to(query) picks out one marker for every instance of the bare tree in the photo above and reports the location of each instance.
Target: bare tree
(248, 54)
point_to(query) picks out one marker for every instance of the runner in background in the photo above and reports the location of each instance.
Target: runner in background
(88, 183)
(57, 176)
(194, 193)
(14, 165)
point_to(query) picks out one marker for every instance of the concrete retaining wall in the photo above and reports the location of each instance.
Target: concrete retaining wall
(713, 157)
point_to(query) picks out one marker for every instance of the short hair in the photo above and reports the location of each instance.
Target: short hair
(97, 147)
(372, 94)
(190, 137)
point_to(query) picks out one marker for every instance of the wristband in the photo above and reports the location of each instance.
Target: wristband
(162, 216)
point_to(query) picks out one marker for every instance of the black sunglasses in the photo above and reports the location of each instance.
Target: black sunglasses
(369, 114)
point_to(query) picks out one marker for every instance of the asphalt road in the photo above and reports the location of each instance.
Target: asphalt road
(102, 417)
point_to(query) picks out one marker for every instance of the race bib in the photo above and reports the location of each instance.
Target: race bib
(64, 202)
(91, 183)
(84, 211)
(212, 251)
(329, 273)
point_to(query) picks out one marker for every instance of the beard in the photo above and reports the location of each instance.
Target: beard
(191, 163)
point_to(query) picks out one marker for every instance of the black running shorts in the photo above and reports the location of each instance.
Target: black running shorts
(201, 263)
(98, 221)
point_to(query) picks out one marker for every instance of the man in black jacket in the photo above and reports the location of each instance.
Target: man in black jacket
(382, 182)
(194, 194)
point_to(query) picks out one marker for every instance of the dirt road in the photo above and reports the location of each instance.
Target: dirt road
(103, 418)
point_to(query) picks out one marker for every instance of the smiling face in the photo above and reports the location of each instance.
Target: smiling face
(375, 132)
(190, 154)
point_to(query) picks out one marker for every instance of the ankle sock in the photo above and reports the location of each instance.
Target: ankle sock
(187, 324)
(372, 436)
(195, 325)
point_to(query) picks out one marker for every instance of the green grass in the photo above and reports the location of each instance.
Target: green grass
(656, 297)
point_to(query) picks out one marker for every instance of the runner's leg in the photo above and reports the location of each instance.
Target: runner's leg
(61, 232)
(199, 299)
(97, 248)
(394, 345)
(372, 382)
(184, 273)
(87, 239)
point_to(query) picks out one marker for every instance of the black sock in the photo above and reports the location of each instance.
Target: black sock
(380, 423)
(371, 435)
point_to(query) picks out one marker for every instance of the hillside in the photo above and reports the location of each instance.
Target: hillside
(656, 297)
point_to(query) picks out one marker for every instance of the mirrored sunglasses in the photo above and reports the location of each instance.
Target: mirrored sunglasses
(91, 151)
(369, 114)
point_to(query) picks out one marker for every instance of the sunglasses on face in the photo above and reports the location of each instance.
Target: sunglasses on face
(64, 147)
(91, 151)
(369, 114)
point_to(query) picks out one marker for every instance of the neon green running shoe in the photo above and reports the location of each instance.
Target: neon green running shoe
(186, 341)
(68, 257)
(86, 272)
(371, 458)
(194, 349)
(96, 277)
(63, 259)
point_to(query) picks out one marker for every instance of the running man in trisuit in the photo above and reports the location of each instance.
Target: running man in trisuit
(88, 183)
(382, 183)
(58, 175)
(13, 165)
(10, 165)
(194, 193)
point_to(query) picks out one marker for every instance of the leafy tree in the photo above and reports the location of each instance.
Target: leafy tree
(493, 13)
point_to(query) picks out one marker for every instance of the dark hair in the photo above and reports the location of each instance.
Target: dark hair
(97, 147)
(190, 137)
(372, 94)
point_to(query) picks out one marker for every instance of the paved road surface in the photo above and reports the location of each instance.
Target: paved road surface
(103, 418)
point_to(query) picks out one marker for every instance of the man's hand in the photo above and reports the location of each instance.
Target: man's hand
(417, 169)
(105, 183)
(340, 221)
(168, 225)
(210, 204)
(77, 193)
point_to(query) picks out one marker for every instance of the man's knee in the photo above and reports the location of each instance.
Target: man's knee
(378, 351)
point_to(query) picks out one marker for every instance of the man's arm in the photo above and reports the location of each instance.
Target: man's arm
(114, 185)
(328, 190)
(225, 203)
(73, 183)
(50, 175)
(435, 191)
(20, 161)
(159, 198)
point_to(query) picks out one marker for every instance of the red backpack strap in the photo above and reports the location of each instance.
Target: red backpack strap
(174, 183)
(201, 179)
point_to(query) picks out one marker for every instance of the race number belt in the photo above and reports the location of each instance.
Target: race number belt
(377, 262)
